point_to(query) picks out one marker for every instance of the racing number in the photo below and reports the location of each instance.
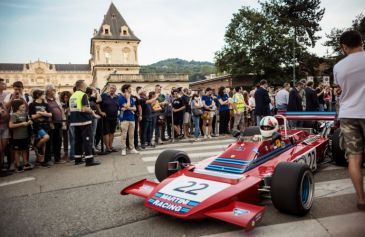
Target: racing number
(309, 159)
(184, 189)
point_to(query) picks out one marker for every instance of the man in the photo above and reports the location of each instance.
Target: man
(262, 101)
(109, 111)
(303, 95)
(178, 108)
(295, 102)
(16, 95)
(127, 105)
(349, 76)
(186, 99)
(58, 116)
(282, 97)
(239, 109)
(80, 118)
(312, 103)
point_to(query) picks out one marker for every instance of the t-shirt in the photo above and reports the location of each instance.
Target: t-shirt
(42, 122)
(321, 97)
(208, 101)
(177, 104)
(224, 98)
(20, 132)
(186, 101)
(109, 105)
(3, 96)
(128, 115)
(55, 110)
(349, 74)
(146, 109)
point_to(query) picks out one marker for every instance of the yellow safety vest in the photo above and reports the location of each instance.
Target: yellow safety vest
(240, 103)
(77, 117)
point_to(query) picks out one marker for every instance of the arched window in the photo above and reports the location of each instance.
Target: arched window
(108, 55)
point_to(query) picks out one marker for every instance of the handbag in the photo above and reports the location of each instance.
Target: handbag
(197, 112)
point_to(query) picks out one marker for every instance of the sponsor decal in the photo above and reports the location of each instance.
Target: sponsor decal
(146, 188)
(239, 148)
(176, 199)
(168, 206)
(240, 212)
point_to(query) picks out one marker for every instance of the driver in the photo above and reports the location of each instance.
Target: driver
(269, 127)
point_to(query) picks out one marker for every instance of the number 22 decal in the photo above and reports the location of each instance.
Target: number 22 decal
(184, 189)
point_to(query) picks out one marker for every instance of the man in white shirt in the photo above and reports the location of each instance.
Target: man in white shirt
(282, 97)
(349, 75)
(17, 95)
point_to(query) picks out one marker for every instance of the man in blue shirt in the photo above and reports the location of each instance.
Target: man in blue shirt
(127, 124)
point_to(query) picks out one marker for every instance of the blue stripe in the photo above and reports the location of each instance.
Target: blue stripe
(193, 203)
(158, 194)
(152, 200)
(255, 163)
(231, 161)
(184, 210)
(226, 168)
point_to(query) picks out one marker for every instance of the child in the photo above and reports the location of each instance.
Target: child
(19, 124)
(39, 112)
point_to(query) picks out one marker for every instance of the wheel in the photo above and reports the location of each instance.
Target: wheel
(338, 154)
(161, 166)
(251, 131)
(292, 188)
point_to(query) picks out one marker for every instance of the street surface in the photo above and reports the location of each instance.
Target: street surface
(69, 200)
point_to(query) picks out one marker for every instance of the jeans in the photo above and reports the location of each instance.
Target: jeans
(196, 120)
(94, 126)
(71, 138)
(223, 121)
(282, 107)
(147, 129)
(321, 107)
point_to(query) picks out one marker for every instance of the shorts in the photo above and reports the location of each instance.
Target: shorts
(178, 119)
(4, 133)
(21, 144)
(352, 136)
(109, 126)
(41, 133)
(211, 114)
(187, 118)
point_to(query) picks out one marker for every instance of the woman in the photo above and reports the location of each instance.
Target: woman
(196, 108)
(208, 112)
(64, 98)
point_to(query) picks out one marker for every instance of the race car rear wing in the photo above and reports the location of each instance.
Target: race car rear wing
(308, 115)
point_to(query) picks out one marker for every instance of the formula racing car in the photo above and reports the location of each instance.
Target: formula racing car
(269, 161)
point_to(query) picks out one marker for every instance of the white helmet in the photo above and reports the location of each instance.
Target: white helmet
(268, 125)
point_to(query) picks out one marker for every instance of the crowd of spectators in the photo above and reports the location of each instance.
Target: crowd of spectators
(40, 121)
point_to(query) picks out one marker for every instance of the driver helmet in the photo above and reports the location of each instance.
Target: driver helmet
(268, 126)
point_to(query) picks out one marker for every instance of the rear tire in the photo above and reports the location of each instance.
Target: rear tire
(161, 165)
(292, 188)
(338, 155)
(251, 131)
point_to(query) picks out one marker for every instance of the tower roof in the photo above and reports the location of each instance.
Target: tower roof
(114, 19)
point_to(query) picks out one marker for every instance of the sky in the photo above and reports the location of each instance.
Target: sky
(60, 31)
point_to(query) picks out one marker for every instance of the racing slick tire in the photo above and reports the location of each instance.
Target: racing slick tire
(338, 155)
(161, 166)
(292, 188)
(251, 131)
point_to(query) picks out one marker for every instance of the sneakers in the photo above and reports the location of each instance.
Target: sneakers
(60, 162)
(197, 140)
(19, 169)
(205, 137)
(28, 167)
(209, 137)
(124, 152)
(91, 162)
(12, 167)
(133, 151)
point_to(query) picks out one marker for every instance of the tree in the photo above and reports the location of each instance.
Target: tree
(254, 45)
(333, 38)
(301, 16)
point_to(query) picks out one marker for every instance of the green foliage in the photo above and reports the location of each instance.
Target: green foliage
(333, 38)
(195, 69)
(261, 41)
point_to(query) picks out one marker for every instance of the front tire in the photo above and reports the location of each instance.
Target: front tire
(292, 188)
(161, 166)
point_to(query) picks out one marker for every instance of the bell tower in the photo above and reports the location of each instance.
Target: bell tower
(114, 48)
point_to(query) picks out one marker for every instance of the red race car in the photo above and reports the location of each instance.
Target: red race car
(230, 186)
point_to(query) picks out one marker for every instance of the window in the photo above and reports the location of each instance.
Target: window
(124, 32)
(106, 31)
(7, 81)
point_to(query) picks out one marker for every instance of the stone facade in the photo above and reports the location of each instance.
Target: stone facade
(114, 59)
(38, 74)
